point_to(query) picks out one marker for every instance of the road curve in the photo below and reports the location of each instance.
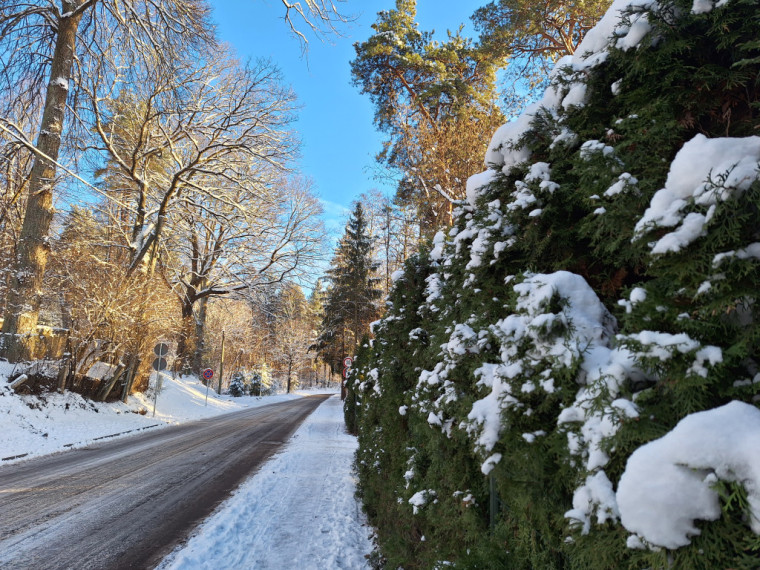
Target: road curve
(127, 503)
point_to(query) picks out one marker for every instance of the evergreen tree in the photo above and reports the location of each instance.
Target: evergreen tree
(353, 300)
(238, 385)
(255, 386)
(436, 100)
(534, 35)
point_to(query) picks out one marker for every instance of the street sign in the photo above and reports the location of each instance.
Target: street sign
(161, 349)
(346, 372)
(348, 361)
(159, 364)
(208, 374)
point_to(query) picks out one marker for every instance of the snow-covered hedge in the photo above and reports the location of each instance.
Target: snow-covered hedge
(533, 393)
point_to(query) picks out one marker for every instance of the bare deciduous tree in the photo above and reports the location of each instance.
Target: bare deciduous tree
(188, 136)
(248, 239)
(40, 41)
(293, 334)
(319, 16)
(195, 158)
(394, 229)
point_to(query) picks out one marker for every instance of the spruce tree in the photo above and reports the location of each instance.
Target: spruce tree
(352, 301)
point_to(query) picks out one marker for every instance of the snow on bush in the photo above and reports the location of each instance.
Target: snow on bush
(420, 499)
(238, 385)
(567, 88)
(705, 172)
(558, 321)
(530, 364)
(668, 483)
(538, 341)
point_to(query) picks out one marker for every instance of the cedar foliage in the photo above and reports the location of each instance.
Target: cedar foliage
(479, 312)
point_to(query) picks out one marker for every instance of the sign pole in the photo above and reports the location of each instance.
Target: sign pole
(155, 396)
(159, 364)
(221, 365)
(207, 374)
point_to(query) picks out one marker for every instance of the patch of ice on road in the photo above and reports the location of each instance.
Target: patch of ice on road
(298, 511)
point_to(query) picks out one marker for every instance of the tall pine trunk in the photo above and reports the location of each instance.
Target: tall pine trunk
(25, 294)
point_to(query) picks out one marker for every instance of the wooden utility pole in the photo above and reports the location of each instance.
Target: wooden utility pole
(221, 366)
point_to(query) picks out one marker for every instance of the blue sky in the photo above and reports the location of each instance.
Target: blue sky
(335, 121)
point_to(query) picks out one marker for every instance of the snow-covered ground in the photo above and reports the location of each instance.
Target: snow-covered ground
(298, 511)
(32, 426)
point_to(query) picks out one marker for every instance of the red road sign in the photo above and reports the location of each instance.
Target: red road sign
(208, 374)
(348, 361)
(345, 372)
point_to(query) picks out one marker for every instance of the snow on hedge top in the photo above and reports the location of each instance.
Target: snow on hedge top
(477, 181)
(707, 171)
(704, 6)
(668, 483)
(504, 151)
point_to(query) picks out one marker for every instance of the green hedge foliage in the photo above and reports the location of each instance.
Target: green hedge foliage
(544, 338)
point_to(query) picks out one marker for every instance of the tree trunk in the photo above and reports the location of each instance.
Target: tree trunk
(221, 366)
(134, 365)
(200, 337)
(65, 370)
(107, 386)
(185, 348)
(25, 294)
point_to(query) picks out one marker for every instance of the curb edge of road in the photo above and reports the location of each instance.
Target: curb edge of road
(68, 445)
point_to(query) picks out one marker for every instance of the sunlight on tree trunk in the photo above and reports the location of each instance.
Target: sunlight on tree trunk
(24, 295)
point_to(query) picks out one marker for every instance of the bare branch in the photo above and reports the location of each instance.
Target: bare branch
(320, 17)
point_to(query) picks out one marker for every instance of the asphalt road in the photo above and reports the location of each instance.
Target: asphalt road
(128, 503)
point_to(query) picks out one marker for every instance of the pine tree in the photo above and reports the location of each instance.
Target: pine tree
(436, 101)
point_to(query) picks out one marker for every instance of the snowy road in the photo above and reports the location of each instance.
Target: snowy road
(125, 504)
